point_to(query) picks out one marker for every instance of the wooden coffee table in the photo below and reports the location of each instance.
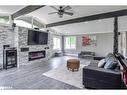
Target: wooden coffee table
(73, 64)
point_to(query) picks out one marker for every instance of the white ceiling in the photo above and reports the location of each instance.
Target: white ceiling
(92, 27)
(9, 9)
(96, 26)
(102, 26)
(79, 11)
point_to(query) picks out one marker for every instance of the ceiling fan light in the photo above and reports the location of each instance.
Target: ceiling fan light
(60, 16)
(62, 11)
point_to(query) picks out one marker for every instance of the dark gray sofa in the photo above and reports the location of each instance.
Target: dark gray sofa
(85, 54)
(100, 78)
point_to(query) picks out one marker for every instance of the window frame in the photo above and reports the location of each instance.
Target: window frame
(70, 43)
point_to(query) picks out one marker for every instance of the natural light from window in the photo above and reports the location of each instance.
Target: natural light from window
(22, 23)
(56, 43)
(70, 42)
(4, 19)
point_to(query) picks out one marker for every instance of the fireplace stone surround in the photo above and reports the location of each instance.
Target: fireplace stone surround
(24, 56)
(18, 38)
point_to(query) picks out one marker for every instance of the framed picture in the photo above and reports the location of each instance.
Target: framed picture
(88, 40)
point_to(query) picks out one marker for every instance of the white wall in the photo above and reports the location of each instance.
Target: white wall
(104, 44)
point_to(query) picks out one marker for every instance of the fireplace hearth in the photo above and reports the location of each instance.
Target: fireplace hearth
(36, 55)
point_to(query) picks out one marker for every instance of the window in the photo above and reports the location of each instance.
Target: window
(70, 42)
(4, 19)
(22, 23)
(56, 43)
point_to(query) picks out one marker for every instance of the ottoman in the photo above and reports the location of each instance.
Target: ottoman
(73, 64)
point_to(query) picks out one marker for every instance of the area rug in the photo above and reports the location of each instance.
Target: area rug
(62, 74)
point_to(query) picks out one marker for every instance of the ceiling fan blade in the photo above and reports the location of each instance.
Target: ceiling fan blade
(68, 13)
(67, 8)
(52, 13)
(54, 8)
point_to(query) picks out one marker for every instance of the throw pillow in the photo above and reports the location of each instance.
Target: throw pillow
(101, 63)
(111, 61)
(111, 64)
(108, 57)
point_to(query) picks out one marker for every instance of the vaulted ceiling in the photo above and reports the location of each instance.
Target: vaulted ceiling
(96, 26)
(79, 11)
(10, 9)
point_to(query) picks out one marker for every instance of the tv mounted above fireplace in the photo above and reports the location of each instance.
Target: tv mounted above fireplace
(36, 37)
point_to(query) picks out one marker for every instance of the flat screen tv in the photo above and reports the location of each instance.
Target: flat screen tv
(36, 37)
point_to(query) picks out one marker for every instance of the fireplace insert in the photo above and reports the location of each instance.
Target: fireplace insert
(36, 55)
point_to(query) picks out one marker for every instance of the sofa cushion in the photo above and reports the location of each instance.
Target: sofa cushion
(101, 63)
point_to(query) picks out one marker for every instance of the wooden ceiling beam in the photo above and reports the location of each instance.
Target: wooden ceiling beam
(90, 18)
(26, 10)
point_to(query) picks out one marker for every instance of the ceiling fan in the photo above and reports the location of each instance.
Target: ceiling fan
(61, 10)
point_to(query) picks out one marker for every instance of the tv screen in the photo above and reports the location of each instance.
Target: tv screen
(37, 37)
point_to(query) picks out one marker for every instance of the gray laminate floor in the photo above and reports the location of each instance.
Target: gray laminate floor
(30, 76)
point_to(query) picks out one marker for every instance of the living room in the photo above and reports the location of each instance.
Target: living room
(63, 47)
